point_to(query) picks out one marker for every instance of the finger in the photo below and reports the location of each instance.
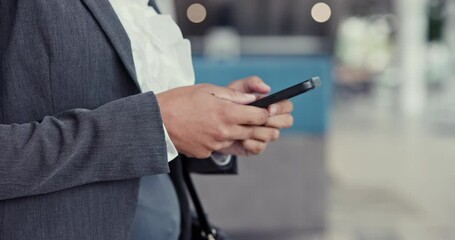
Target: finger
(254, 147)
(232, 95)
(280, 121)
(252, 84)
(217, 145)
(247, 115)
(282, 107)
(239, 132)
(265, 134)
(227, 144)
(235, 149)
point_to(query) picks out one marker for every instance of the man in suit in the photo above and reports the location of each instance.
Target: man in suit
(77, 134)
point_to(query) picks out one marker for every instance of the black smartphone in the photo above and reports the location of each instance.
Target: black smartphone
(288, 93)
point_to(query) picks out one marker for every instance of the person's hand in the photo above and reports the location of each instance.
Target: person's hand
(204, 118)
(279, 117)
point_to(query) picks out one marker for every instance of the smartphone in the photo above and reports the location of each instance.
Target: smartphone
(288, 93)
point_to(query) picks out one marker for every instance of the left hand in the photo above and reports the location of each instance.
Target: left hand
(280, 117)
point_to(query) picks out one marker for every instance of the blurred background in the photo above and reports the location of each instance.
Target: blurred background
(372, 152)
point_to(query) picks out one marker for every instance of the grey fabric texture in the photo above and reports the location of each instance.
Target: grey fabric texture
(75, 133)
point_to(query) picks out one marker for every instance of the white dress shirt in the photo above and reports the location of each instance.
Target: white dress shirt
(162, 56)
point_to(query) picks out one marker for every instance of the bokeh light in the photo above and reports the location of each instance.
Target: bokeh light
(196, 13)
(321, 12)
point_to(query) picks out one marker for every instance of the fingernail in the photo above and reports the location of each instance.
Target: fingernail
(273, 110)
(277, 134)
(265, 86)
(250, 97)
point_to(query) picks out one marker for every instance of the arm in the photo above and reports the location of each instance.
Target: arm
(121, 140)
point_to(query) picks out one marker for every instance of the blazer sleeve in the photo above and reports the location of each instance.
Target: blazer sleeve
(122, 139)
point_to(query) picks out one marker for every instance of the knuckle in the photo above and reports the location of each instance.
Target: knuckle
(259, 118)
(221, 133)
(222, 115)
(247, 133)
(251, 133)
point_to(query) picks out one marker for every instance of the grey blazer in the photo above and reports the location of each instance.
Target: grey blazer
(75, 133)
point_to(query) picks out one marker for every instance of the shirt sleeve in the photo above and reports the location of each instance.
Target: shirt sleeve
(172, 152)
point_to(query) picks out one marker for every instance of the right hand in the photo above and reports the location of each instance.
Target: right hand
(279, 117)
(201, 119)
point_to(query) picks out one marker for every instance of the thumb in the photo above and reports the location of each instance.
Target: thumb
(232, 95)
(250, 85)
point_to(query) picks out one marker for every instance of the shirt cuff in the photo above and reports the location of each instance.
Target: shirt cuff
(221, 159)
(172, 152)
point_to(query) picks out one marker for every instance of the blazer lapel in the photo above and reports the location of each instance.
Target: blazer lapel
(111, 25)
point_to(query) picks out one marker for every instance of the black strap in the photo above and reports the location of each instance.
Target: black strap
(208, 232)
(176, 175)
